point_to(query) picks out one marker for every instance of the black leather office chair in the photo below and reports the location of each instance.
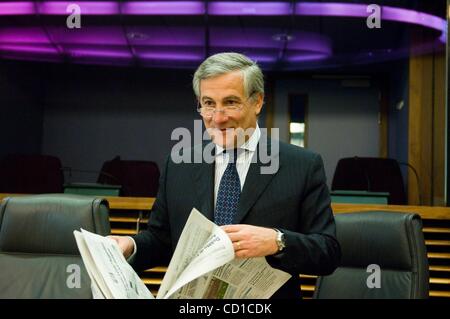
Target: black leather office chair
(31, 174)
(394, 242)
(137, 178)
(370, 174)
(37, 245)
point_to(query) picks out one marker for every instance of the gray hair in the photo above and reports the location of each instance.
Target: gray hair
(226, 62)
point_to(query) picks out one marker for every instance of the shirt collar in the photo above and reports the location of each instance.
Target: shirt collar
(249, 145)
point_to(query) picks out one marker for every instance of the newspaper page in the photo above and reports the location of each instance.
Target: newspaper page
(96, 291)
(97, 282)
(251, 278)
(203, 246)
(111, 275)
(213, 272)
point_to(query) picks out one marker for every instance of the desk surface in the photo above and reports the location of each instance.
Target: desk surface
(426, 212)
(134, 203)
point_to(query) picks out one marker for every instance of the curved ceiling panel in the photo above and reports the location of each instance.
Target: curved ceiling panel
(283, 35)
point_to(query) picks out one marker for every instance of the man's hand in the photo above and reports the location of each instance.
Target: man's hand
(125, 244)
(252, 241)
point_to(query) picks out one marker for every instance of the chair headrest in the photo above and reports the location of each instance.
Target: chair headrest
(382, 238)
(44, 224)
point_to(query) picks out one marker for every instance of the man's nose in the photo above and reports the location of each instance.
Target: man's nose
(219, 117)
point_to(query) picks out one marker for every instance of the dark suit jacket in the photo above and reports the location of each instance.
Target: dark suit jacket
(295, 200)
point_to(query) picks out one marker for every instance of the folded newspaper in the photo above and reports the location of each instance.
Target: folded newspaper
(203, 266)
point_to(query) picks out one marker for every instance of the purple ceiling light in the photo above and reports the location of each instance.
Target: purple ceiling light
(264, 44)
(101, 53)
(163, 8)
(249, 8)
(310, 42)
(24, 35)
(444, 36)
(360, 11)
(170, 56)
(16, 8)
(184, 45)
(305, 57)
(414, 17)
(86, 7)
(170, 53)
(331, 9)
(29, 48)
(264, 57)
(222, 8)
(222, 37)
(166, 36)
(95, 35)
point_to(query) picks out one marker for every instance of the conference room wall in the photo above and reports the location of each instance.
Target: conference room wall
(342, 114)
(93, 114)
(21, 107)
(341, 122)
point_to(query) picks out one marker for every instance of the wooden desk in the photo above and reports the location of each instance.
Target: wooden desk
(132, 203)
(426, 212)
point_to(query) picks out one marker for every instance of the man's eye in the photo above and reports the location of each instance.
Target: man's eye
(231, 102)
(208, 103)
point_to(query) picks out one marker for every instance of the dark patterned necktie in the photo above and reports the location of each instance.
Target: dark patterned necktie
(228, 194)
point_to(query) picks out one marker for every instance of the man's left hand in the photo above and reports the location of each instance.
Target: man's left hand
(252, 241)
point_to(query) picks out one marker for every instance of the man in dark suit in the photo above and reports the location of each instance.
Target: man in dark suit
(284, 215)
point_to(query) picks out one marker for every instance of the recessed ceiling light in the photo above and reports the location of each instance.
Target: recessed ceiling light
(282, 37)
(136, 36)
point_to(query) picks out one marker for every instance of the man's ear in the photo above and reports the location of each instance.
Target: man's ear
(259, 103)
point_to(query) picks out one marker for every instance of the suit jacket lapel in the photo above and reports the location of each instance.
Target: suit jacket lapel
(203, 176)
(254, 185)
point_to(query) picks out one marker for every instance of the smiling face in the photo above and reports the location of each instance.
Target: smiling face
(220, 91)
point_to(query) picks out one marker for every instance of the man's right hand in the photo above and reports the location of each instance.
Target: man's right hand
(125, 243)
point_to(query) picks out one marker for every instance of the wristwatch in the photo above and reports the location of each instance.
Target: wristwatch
(281, 240)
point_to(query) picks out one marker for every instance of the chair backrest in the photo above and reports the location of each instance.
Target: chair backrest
(38, 251)
(31, 174)
(393, 242)
(370, 174)
(137, 178)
